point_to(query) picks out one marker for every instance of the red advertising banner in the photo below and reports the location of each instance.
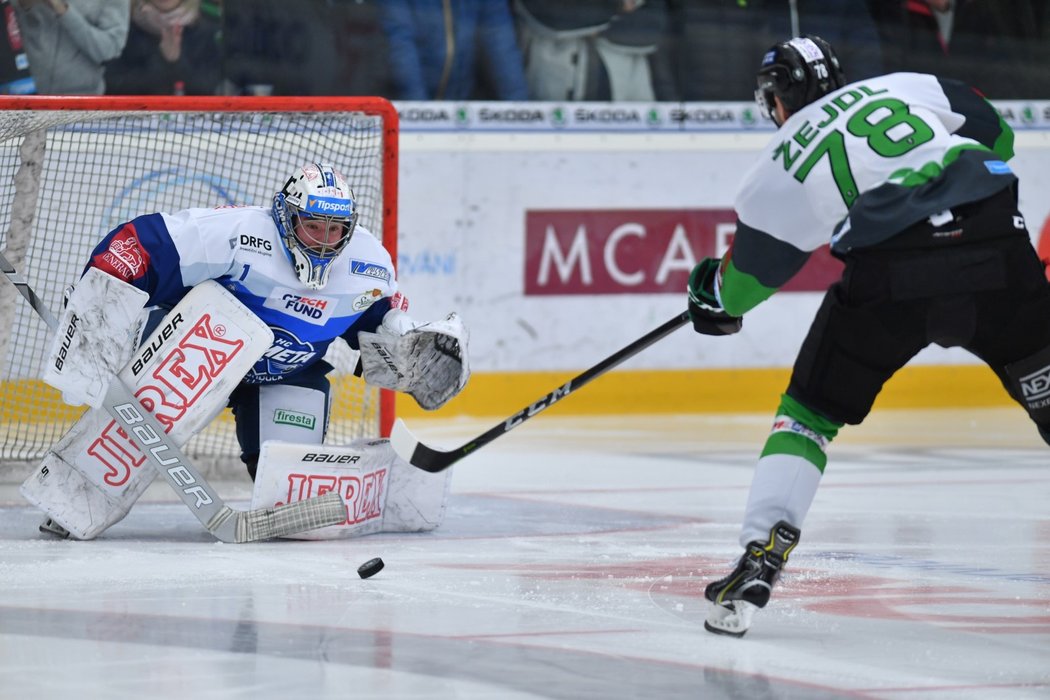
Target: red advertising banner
(636, 251)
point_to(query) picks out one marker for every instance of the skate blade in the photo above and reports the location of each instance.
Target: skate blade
(50, 527)
(731, 619)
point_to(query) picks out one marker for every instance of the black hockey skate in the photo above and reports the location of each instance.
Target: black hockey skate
(748, 587)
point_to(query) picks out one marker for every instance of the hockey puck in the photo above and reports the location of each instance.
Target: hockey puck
(370, 568)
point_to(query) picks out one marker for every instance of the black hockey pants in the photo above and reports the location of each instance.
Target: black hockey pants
(976, 283)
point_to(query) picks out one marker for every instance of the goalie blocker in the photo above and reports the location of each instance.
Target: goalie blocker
(97, 332)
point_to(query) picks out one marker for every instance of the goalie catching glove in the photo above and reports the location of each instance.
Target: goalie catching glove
(705, 308)
(427, 361)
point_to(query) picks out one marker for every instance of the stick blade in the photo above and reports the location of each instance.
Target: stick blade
(309, 514)
(410, 449)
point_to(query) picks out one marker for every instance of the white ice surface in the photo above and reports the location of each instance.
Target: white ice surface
(571, 565)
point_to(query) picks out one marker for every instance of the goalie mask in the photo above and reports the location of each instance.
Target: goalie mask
(797, 71)
(315, 214)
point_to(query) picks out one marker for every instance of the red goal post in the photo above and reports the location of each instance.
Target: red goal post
(73, 167)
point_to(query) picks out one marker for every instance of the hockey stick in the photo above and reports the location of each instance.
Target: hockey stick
(143, 429)
(410, 449)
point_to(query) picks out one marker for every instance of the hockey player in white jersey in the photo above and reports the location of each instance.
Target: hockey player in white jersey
(307, 270)
(905, 175)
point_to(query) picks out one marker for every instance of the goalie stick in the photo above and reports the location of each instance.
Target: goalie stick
(429, 459)
(143, 429)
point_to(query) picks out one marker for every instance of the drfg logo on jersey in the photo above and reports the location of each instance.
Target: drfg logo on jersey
(255, 243)
(172, 385)
(362, 491)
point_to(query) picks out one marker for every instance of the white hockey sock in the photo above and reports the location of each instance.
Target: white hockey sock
(782, 488)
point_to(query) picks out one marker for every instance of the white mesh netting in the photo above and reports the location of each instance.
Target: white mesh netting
(68, 177)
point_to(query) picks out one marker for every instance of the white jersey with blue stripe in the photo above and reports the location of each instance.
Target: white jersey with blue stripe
(239, 247)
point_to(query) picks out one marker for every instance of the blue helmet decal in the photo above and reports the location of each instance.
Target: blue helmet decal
(328, 206)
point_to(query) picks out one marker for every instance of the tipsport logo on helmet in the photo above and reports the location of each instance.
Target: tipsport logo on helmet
(329, 206)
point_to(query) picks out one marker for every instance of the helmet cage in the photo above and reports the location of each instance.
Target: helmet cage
(315, 192)
(797, 71)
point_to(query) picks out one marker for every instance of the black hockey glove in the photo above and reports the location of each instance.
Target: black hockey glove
(705, 311)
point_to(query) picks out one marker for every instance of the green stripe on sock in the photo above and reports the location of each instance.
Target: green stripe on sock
(814, 421)
(784, 443)
(796, 444)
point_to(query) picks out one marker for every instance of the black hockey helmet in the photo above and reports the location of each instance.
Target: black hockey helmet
(798, 71)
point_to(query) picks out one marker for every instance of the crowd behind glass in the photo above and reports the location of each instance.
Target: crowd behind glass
(663, 50)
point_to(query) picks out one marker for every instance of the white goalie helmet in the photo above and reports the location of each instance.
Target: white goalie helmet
(315, 213)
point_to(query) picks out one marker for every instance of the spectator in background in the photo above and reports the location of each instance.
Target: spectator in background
(914, 33)
(714, 43)
(67, 42)
(846, 24)
(446, 50)
(596, 49)
(323, 47)
(173, 47)
(1001, 47)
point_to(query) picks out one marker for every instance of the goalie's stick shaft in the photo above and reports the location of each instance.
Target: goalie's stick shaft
(147, 434)
(16, 278)
(429, 459)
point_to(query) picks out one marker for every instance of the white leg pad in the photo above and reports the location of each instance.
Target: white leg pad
(183, 373)
(382, 492)
(416, 499)
(87, 481)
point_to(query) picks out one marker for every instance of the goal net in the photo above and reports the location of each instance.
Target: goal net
(73, 168)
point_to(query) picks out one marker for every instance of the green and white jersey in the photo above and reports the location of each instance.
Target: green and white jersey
(857, 167)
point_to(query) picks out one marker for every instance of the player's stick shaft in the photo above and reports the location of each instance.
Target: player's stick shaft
(430, 459)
